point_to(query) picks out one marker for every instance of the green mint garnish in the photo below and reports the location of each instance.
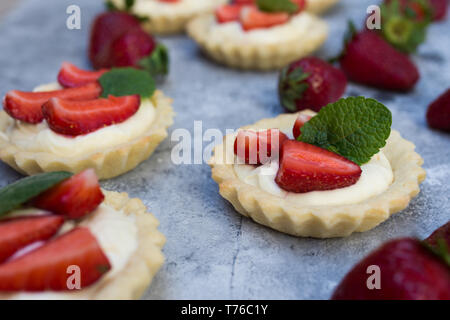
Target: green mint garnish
(277, 6)
(127, 81)
(354, 127)
(22, 191)
(157, 63)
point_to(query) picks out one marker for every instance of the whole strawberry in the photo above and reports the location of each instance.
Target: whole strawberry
(441, 233)
(310, 83)
(438, 114)
(118, 40)
(368, 59)
(408, 271)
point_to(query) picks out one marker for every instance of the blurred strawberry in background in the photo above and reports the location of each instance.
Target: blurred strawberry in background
(310, 83)
(438, 113)
(117, 40)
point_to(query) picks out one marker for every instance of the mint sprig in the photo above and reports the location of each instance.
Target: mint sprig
(127, 81)
(354, 127)
(277, 6)
(22, 191)
(157, 63)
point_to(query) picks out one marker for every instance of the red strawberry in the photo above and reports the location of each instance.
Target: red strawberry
(416, 8)
(129, 48)
(408, 271)
(228, 12)
(257, 147)
(73, 198)
(370, 60)
(27, 106)
(106, 28)
(80, 117)
(299, 122)
(46, 268)
(19, 232)
(310, 83)
(441, 233)
(439, 9)
(438, 114)
(305, 167)
(252, 18)
(70, 76)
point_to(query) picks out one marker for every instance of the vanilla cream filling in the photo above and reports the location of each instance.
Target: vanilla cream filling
(117, 235)
(159, 8)
(40, 138)
(376, 177)
(297, 27)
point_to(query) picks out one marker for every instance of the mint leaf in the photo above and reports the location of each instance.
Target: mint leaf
(127, 81)
(354, 127)
(16, 194)
(157, 63)
(277, 6)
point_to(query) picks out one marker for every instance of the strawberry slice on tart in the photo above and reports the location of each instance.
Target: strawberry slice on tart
(305, 167)
(73, 198)
(253, 18)
(228, 13)
(70, 76)
(299, 122)
(16, 233)
(27, 106)
(81, 117)
(45, 268)
(258, 147)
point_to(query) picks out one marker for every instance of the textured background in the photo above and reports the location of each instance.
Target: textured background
(212, 252)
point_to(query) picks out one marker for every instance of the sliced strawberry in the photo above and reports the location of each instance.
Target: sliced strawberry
(305, 167)
(27, 106)
(258, 147)
(19, 232)
(299, 122)
(46, 268)
(80, 117)
(74, 197)
(70, 76)
(228, 13)
(252, 18)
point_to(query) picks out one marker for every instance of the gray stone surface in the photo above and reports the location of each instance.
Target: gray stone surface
(212, 252)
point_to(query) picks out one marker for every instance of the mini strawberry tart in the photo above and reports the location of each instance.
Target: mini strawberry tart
(266, 35)
(166, 16)
(62, 237)
(344, 171)
(109, 120)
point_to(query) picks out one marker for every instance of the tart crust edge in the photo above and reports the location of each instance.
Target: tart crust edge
(256, 56)
(107, 163)
(132, 281)
(322, 221)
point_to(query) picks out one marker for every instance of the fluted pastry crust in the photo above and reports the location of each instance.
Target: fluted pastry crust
(321, 221)
(255, 55)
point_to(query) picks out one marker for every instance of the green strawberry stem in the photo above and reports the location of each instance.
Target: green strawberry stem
(157, 63)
